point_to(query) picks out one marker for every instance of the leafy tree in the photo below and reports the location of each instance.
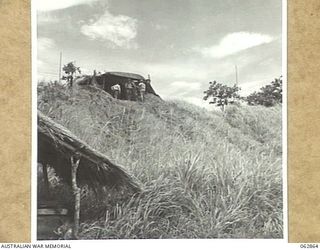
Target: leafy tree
(268, 95)
(221, 94)
(70, 70)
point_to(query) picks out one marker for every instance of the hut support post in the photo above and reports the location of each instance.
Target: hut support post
(46, 179)
(76, 192)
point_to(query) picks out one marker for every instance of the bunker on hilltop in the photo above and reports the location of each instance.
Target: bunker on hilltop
(106, 80)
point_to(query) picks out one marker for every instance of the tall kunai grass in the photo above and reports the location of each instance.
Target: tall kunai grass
(204, 174)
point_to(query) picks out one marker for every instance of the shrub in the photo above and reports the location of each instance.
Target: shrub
(268, 96)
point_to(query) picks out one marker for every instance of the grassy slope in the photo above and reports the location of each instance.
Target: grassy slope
(204, 174)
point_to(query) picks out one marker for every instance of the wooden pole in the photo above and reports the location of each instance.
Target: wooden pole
(46, 180)
(60, 67)
(236, 68)
(75, 160)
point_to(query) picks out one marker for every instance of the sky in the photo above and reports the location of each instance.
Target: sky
(181, 44)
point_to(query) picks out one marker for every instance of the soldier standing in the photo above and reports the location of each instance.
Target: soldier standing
(116, 90)
(135, 90)
(142, 90)
(129, 90)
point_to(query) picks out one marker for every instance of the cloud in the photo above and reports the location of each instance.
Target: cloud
(47, 59)
(190, 71)
(159, 27)
(44, 43)
(190, 92)
(181, 89)
(45, 72)
(46, 17)
(49, 5)
(249, 87)
(194, 70)
(40, 64)
(183, 86)
(234, 43)
(120, 30)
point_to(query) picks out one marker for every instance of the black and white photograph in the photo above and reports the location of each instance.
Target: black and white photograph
(159, 119)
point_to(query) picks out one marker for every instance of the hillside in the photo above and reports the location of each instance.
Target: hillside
(204, 174)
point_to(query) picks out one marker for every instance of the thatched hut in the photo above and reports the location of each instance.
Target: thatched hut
(56, 146)
(76, 163)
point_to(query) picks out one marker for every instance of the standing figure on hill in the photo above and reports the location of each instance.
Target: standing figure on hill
(135, 90)
(129, 90)
(116, 90)
(142, 90)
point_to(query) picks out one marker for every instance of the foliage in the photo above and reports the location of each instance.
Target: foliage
(268, 95)
(221, 94)
(70, 69)
(204, 174)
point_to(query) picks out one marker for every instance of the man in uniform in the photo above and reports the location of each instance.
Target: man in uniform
(135, 90)
(129, 90)
(116, 90)
(142, 90)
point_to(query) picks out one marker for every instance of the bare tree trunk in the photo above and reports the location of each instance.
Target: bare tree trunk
(71, 81)
(77, 192)
(222, 107)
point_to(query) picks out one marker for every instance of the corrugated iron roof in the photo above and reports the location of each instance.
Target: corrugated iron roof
(126, 75)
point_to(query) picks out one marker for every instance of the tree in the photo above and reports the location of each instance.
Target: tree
(221, 94)
(70, 69)
(268, 95)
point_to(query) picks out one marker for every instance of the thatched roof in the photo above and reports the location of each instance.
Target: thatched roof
(56, 145)
(83, 80)
(126, 75)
